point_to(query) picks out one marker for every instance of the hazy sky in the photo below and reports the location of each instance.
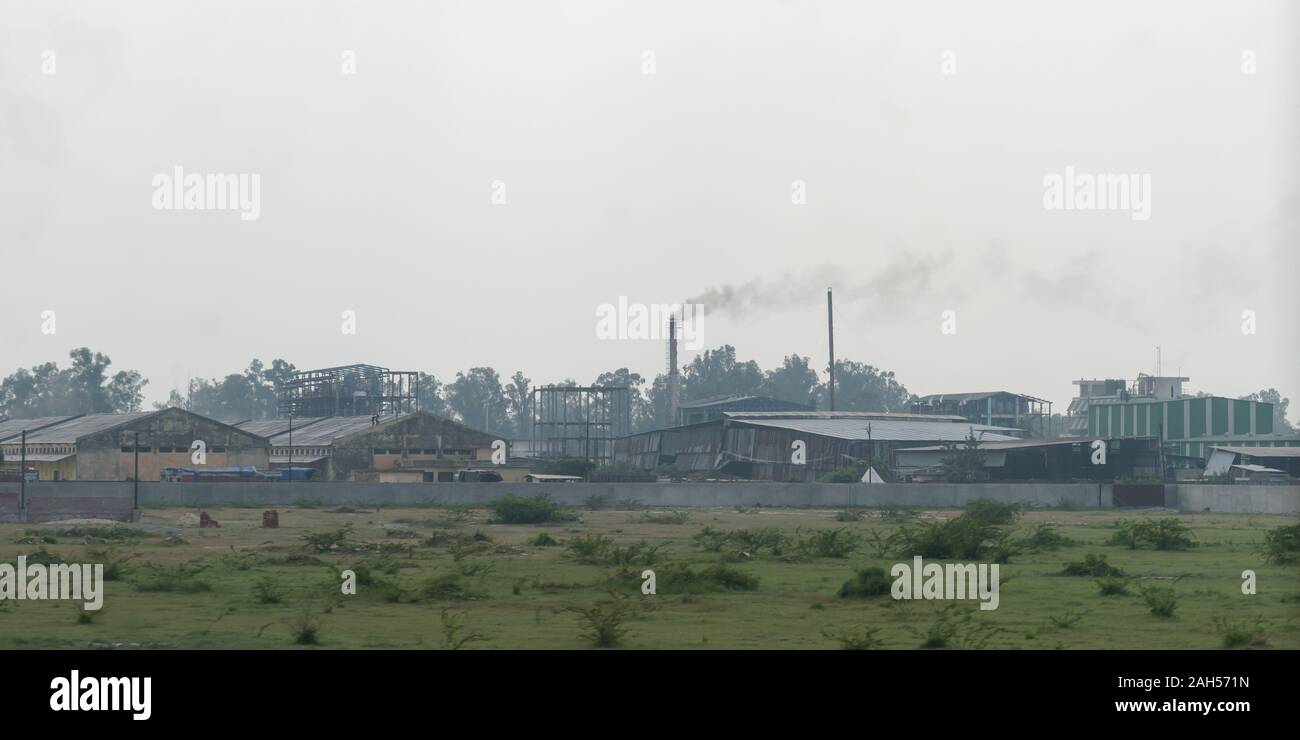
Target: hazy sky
(650, 149)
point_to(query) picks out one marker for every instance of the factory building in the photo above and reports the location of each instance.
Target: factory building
(761, 445)
(103, 446)
(1068, 459)
(712, 409)
(409, 448)
(991, 408)
(1188, 426)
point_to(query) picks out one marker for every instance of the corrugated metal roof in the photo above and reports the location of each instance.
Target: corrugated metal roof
(882, 415)
(885, 430)
(272, 427)
(327, 430)
(988, 444)
(1261, 451)
(14, 427)
(978, 396)
(70, 431)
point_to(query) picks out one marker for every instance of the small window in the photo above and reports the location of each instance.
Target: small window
(215, 449)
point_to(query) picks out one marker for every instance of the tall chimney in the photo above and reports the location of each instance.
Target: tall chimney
(674, 379)
(830, 331)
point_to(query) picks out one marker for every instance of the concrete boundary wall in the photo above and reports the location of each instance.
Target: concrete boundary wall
(1234, 499)
(1228, 499)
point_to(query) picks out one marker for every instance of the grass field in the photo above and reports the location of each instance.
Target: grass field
(445, 577)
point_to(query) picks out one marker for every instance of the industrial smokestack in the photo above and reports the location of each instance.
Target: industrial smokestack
(830, 332)
(673, 378)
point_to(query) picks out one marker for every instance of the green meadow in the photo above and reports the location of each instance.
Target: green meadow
(750, 578)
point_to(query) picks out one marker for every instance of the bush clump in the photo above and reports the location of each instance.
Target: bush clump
(1163, 534)
(1281, 545)
(866, 583)
(1092, 565)
(1160, 600)
(538, 509)
(680, 578)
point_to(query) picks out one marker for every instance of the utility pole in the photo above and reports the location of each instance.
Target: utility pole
(135, 478)
(22, 477)
(830, 331)
(289, 469)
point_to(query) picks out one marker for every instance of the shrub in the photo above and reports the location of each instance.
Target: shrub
(305, 627)
(536, 510)
(958, 538)
(156, 578)
(115, 563)
(602, 624)
(953, 629)
(1241, 635)
(1112, 586)
(1281, 545)
(542, 539)
(591, 549)
(454, 634)
(327, 541)
(1091, 565)
(1165, 534)
(448, 587)
(680, 578)
(849, 515)
(988, 511)
(866, 640)
(267, 590)
(1044, 536)
(829, 543)
(1160, 600)
(665, 517)
(866, 583)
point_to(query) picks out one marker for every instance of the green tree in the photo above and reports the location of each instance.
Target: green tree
(126, 391)
(794, 381)
(430, 395)
(965, 463)
(479, 400)
(519, 397)
(1280, 404)
(861, 387)
(716, 372)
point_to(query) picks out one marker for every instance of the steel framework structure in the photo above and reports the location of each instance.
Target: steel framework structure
(349, 390)
(580, 421)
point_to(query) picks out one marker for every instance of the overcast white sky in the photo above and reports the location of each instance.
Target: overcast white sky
(924, 189)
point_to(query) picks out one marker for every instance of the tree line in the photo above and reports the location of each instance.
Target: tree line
(479, 397)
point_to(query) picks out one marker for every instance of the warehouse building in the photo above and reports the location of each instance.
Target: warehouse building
(991, 408)
(410, 448)
(1068, 459)
(103, 446)
(712, 409)
(761, 445)
(1189, 426)
(1222, 459)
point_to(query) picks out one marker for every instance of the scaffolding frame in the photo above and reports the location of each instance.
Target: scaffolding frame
(580, 421)
(349, 390)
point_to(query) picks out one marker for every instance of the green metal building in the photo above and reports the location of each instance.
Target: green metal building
(1190, 425)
